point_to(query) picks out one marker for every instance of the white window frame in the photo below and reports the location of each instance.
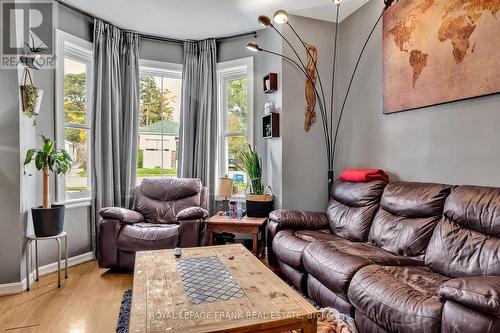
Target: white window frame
(80, 50)
(228, 71)
(162, 69)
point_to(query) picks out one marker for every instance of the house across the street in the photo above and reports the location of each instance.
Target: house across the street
(155, 138)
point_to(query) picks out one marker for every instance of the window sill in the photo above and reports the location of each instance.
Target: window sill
(76, 202)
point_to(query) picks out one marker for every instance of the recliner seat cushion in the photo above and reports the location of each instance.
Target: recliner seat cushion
(352, 207)
(466, 242)
(288, 245)
(398, 298)
(335, 263)
(408, 213)
(147, 236)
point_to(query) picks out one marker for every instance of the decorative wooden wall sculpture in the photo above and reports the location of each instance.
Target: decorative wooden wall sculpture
(310, 92)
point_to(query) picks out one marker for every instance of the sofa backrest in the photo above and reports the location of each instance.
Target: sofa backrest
(408, 213)
(466, 242)
(160, 199)
(352, 207)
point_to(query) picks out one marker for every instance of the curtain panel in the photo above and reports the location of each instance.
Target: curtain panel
(198, 131)
(115, 118)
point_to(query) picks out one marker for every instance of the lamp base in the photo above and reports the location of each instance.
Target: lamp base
(224, 205)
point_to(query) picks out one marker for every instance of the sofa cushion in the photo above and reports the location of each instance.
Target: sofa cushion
(352, 207)
(160, 200)
(466, 242)
(147, 236)
(398, 298)
(334, 263)
(288, 245)
(408, 213)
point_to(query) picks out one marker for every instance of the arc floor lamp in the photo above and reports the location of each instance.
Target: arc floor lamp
(330, 115)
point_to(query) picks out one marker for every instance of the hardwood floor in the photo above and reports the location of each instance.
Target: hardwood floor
(88, 301)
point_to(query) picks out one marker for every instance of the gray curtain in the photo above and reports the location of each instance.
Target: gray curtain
(115, 117)
(198, 132)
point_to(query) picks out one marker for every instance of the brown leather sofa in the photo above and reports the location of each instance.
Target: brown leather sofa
(399, 257)
(166, 213)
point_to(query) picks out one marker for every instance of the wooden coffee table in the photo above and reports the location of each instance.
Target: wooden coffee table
(246, 224)
(163, 298)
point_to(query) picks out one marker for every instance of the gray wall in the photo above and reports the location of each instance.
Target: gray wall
(455, 143)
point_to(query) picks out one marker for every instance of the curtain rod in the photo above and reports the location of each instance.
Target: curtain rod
(91, 17)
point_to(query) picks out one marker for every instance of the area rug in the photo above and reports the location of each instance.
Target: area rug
(330, 321)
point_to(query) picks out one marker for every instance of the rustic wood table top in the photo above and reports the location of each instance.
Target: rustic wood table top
(216, 219)
(265, 304)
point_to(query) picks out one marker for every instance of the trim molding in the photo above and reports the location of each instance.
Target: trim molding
(19, 287)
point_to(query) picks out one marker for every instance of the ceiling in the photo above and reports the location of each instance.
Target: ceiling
(200, 19)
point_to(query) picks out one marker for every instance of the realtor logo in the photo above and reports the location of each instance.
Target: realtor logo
(27, 34)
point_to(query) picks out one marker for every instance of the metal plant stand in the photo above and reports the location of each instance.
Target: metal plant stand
(31, 238)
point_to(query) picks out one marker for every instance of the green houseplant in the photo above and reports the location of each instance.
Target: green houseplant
(48, 219)
(258, 202)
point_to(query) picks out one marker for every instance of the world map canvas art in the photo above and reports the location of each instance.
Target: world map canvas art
(438, 51)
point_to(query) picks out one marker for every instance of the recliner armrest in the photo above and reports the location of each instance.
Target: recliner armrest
(122, 214)
(480, 293)
(192, 213)
(298, 219)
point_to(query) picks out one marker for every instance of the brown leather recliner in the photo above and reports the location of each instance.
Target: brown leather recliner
(430, 261)
(166, 213)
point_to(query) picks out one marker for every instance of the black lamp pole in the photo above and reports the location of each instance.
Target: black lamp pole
(330, 136)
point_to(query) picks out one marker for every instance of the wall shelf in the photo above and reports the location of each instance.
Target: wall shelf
(270, 83)
(271, 125)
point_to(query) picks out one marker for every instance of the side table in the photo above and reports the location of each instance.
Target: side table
(31, 238)
(246, 224)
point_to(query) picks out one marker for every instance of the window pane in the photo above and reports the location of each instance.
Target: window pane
(235, 145)
(74, 92)
(237, 103)
(159, 127)
(75, 143)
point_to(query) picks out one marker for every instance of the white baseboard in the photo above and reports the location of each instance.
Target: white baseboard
(19, 287)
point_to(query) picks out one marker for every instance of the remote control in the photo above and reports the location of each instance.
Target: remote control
(177, 252)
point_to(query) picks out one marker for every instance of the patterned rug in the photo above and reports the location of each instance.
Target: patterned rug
(331, 321)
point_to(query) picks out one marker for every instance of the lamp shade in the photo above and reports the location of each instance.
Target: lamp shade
(280, 17)
(225, 187)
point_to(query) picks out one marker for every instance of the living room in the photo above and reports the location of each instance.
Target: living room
(263, 166)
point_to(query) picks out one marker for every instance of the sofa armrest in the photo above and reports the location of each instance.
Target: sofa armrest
(298, 219)
(121, 214)
(107, 252)
(192, 213)
(480, 293)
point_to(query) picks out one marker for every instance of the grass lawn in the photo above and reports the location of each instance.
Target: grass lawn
(144, 172)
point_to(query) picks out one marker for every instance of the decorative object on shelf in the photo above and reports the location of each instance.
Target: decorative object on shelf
(259, 203)
(271, 125)
(426, 41)
(312, 60)
(327, 114)
(270, 82)
(31, 96)
(48, 220)
(270, 107)
(225, 187)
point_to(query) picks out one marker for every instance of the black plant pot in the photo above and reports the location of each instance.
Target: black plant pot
(48, 221)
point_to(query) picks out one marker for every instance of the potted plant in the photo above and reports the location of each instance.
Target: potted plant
(48, 220)
(258, 202)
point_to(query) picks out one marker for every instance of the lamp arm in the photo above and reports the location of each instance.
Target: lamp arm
(352, 78)
(304, 44)
(291, 46)
(333, 80)
(320, 103)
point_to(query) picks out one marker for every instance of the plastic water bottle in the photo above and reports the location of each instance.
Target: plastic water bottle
(239, 210)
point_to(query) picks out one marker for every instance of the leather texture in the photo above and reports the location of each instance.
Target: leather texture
(295, 277)
(407, 216)
(192, 213)
(326, 298)
(481, 293)
(352, 207)
(288, 245)
(122, 214)
(153, 224)
(459, 319)
(398, 298)
(297, 219)
(465, 242)
(161, 199)
(364, 324)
